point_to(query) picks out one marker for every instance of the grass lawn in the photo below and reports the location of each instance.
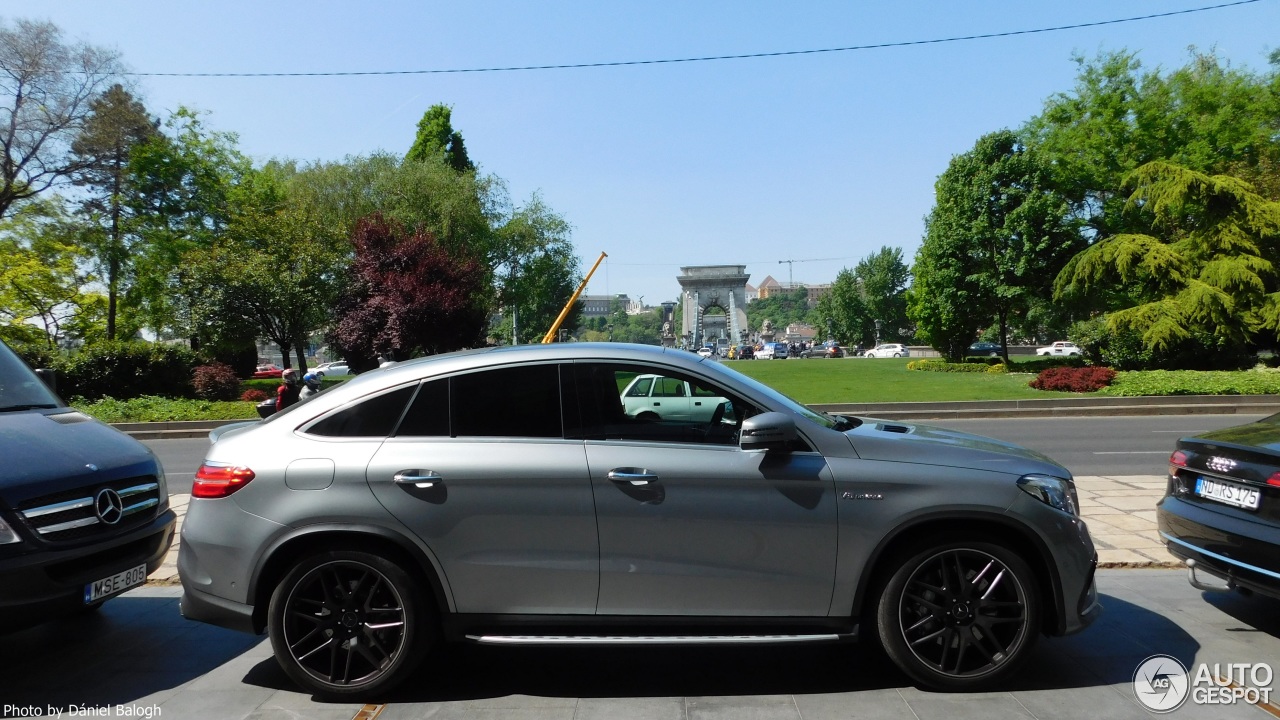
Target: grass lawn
(849, 380)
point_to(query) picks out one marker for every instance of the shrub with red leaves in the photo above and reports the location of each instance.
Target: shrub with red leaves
(254, 396)
(216, 381)
(1074, 379)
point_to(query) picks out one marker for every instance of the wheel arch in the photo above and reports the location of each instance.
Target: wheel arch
(285, 552)
(948, 527)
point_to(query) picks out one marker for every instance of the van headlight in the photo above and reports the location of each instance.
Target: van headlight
(7, 534)
(1052, 491)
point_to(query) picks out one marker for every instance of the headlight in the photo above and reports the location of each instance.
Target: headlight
(1052, 491)
(7, 535)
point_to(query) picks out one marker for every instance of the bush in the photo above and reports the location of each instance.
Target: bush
(126, 370)
(944, 366)
(1042, 363)
(1074, 379)
(158, 409)
(1192, 382)
(216, 381)
(254, 396)
(1123, 349)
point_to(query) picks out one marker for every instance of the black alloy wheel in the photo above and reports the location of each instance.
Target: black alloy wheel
(346, 623)
(960, 616)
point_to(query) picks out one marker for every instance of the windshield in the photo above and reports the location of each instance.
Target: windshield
(20, 388)
(828, 421)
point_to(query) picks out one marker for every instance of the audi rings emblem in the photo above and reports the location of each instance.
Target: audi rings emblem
(109, 506)
(1221, 464)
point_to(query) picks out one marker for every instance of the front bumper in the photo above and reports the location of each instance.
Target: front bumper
(40, 586)
(1243, 553)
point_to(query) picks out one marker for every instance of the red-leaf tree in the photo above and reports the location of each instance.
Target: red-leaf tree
(407, 295)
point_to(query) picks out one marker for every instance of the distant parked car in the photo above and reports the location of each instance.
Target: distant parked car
(657, 397)
(989, 349)
(884, 350)
(1062, 347)
(745, 352)
(267, 371)
(706, 352)
(822, 351)
(772, 351)
(334, 369)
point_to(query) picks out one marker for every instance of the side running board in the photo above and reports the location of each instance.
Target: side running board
(652, 639)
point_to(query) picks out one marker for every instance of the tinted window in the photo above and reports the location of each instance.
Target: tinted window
(714, 417)
(508, 402)
(19, 386)
(372, 417)
(428, 416)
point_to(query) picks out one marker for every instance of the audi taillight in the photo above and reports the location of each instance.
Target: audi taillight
(1177, 460)
(1274, 480)
(218, 480)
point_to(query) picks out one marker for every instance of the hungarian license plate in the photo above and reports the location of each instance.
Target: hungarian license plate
(1228, 493)
(119, 582)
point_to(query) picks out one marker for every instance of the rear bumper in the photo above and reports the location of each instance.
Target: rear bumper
(1244, 553)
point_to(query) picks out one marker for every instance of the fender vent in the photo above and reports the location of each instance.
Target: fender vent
(69, 418)
(903, 429)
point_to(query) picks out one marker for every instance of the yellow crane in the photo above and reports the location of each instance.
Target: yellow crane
(551, 334)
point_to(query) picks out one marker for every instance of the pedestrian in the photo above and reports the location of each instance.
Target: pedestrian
(289, 390)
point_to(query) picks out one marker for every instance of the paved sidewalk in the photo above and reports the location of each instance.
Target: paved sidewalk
(1120, 511)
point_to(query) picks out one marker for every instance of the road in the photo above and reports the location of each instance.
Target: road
(138, 657)
(1085, 446)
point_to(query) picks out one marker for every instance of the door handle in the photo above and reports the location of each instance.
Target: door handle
(634, 478)
(421, 479)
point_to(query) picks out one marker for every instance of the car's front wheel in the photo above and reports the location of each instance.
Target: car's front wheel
(348, 623)
(960, 615)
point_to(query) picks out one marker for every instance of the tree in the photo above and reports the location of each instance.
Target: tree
(843, 312)
(1208, 265)
(117, 123)
(181, 195)
(46, 87)
(270, 274)
(39, 276)
(883, 278)
(1001, 232)
(538, 272)
(437, 138)
(407, 294)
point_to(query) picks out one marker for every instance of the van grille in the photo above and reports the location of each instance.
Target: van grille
(93, 511)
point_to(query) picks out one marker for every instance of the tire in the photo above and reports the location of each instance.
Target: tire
(369, 612)
(648, 417)
(960, 616)
(897, 354)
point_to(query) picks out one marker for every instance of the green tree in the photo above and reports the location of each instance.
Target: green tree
(782, 309)
(883, 278)
(117, 123)
(270, 274)
(1207, 266)
(538, 273)
(437, 138)
(182, 183)
(999, 229)
(842, 312)
(46, 86)
(40, 279)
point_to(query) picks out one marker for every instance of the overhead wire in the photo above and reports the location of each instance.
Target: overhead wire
(705, 58)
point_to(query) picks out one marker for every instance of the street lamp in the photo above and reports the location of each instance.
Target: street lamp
(609, 327)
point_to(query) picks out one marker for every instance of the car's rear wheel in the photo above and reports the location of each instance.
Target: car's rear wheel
(960, 615)
(348, 623)
(897, 354)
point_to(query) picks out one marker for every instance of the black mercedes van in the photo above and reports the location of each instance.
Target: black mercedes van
(84, 510)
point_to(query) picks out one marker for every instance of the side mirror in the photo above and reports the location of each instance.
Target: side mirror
(767, 431)
(49, 378)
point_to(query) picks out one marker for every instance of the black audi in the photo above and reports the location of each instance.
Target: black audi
(1221, 509)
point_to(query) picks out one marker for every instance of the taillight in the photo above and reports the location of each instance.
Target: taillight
(1274, 480)
(218, 480)
(1176, 460)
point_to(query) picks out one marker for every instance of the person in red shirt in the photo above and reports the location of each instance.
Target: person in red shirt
(287, 393)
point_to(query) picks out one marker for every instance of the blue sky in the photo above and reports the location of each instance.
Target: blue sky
(819, 158)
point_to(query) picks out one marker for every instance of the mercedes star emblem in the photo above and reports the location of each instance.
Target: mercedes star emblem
(109, 506)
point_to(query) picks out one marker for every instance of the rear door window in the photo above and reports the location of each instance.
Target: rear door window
(507, 402)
